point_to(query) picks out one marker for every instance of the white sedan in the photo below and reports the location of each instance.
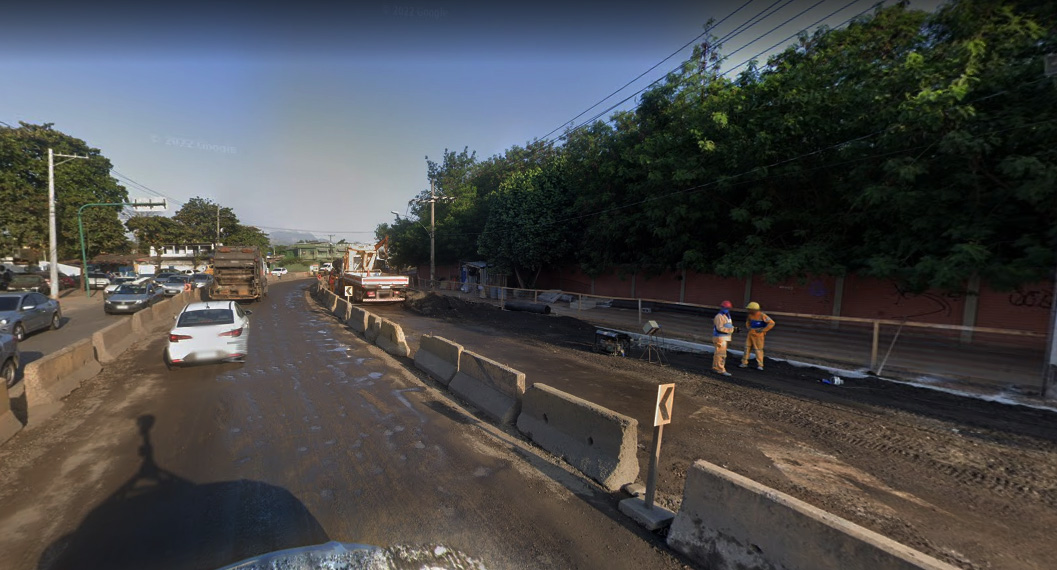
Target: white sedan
(213, 331)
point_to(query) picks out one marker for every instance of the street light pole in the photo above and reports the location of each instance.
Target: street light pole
(53, 239)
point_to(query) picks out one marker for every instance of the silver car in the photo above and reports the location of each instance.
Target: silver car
(132, 297)
(8, 358)
(23, 313)
(174, 285)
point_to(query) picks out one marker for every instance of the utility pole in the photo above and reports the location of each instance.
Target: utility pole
(216, 243)
(1049, 373)
(53, 240)
(433, 199)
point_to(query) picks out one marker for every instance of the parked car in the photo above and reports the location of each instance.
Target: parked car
(174, 285)
(209, 332)
(115, 283)
(201, 280)
(98, 280)
(23, 313)
(132, 297)
(164, 276)
(8, 358)
(279, 271)
(28, 282)
(65, 281)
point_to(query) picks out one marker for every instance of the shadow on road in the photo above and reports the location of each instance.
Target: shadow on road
(160, 520)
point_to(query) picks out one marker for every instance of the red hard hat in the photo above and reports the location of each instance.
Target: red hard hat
(727, 305)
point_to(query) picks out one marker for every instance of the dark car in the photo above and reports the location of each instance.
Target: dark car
(132, 297)
(23, 313)
(8, 358)
(28, 282)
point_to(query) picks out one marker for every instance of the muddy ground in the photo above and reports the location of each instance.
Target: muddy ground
(970, 482)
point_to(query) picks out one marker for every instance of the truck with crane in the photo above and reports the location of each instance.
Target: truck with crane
(359, 277)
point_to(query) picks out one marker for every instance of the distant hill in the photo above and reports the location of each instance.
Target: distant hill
(283, 237)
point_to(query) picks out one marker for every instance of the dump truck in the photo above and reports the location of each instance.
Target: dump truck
(239, 274)
(356, 276)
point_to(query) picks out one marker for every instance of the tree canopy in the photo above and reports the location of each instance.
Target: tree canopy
(195, 222)
(912, 146)
(24, 192)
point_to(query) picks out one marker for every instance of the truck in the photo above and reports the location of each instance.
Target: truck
(239, 274)
(356, 277)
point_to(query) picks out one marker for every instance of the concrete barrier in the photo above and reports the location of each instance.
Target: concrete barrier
(341, 310)
(374, 328)
(56, 375)
(728, 521)
(163, 311)
(143, 321)
(357, 320)
(597, 441)
(438, 357)
(494, 388)
(391, 339)
(9, 424)
(332, 301)
(111, 341)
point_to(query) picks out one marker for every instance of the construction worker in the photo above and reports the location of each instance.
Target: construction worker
(722, 328)
(758, 323)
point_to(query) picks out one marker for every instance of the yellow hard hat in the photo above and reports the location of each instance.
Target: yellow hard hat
(753, 306)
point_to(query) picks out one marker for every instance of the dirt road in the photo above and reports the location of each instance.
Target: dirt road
(317, 437)
(970, 482)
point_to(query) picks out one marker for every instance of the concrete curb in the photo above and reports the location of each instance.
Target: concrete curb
(438, 357)
(728, 521)
(597, 441)
(9, 424)
(54, 376)
(494, 388)
(111, 341)
(391, 339)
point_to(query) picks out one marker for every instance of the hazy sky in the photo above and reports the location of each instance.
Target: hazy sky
(319, 118)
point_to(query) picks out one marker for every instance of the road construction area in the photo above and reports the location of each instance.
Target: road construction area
(319, 436)
(970, 482)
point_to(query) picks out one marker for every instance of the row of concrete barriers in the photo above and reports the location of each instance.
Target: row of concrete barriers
(726, 521)
(54, 376)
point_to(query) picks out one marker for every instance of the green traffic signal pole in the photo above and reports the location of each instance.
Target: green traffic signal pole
(80, 229)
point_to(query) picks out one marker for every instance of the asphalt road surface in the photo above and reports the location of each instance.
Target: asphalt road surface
(317, 437)
(81, 316)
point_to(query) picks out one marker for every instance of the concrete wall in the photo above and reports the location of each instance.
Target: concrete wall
(56, 375)
(391, 339)
(111, 341)
(729, 522)
(9, 424)
(143, 321)
(599, 442)
(494, 388)
(438, 357)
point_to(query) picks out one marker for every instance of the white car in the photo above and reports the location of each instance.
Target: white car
(213, 331)
(279, 271)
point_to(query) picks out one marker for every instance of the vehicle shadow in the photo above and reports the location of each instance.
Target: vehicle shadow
(160, 520)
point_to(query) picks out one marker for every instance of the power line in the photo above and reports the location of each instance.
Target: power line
(655, 66)
(721, 40)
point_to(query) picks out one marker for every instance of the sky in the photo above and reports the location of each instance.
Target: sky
(318, 118)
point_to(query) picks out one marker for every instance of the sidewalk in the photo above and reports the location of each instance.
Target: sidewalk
(926, 359)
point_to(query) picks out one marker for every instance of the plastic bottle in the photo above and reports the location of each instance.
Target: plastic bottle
(835, 381)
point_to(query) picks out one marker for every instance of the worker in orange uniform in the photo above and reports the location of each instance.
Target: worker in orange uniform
(722, 328)
(758, 323)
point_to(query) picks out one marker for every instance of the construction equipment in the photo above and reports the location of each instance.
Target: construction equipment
(359, 276)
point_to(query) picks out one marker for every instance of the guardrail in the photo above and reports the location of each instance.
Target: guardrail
(877, 359)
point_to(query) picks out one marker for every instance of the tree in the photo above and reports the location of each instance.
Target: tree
(198, 216)
(24, 192)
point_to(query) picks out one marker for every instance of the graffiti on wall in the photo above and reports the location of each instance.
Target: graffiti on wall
(940, 302)
(1032, 298)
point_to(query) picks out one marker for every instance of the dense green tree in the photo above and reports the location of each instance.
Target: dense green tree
(24, 192)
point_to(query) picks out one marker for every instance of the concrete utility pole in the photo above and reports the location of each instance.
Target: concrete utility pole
(1049, 373)
(433, 199)
(216, 244)
(53, 240)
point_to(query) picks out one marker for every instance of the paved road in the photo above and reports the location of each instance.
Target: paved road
(318, 437)
(81, 316)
